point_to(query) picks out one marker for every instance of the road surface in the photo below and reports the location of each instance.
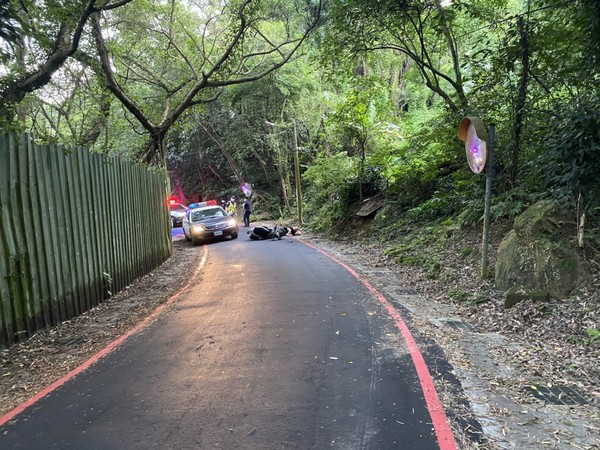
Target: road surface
(273, 346)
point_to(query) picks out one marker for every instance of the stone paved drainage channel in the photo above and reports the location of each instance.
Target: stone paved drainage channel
(558, 395)
(498, 391)
(405, 291)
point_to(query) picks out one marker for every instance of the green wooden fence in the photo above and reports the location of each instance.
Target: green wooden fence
(75, 227)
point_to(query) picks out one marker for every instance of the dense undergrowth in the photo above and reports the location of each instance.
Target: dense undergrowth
(445, 247)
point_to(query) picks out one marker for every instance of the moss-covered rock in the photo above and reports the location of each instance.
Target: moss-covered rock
(539, 220)
(537, 255)
(517, 294)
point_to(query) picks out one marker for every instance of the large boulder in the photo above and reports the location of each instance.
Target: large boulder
(537, 255)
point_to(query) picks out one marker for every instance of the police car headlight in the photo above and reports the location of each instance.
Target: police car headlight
(231, 222)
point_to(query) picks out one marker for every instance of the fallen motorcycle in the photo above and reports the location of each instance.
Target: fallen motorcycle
(263, 232)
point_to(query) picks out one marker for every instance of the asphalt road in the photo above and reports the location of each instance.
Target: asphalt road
(274, 346)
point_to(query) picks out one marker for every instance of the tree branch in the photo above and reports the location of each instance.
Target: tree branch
(112, 84)
(65, 45)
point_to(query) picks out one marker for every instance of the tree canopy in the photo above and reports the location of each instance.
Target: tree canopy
(375, 88)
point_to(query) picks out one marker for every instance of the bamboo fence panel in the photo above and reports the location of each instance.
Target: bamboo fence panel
(75, 228)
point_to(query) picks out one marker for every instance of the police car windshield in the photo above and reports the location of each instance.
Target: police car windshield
(207, 213)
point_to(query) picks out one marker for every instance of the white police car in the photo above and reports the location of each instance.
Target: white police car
(177, 214)
(207, 220)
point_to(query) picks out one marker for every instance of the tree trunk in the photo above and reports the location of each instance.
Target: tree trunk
(285, 193)
(155, 152)
(521, 100)
(361, 170)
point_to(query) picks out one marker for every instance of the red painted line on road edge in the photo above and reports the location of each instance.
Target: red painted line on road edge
(436, 411)
(106, 350)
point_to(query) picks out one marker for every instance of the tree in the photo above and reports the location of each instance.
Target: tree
(361, 118)
(185, 57)
(421, 30)
(243, 136)
(72, 109)
(39, 39)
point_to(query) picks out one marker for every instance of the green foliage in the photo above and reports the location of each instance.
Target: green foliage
(459, 295)
(572, 151)
(434, 270)
(248, 132)
(434, 207)
(361, 113)
(329, 181)
(506, 205)
(512, 203)
(423, 162)
(593, 336)
(372, 183)
(466, 251)
(415, 248)
(377, 97)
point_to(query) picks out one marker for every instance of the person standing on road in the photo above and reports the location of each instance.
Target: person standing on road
(247, 212)
(231, 206)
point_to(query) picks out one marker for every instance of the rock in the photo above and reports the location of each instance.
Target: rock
(538, 255)
(371, 205)
(517, 294)
(541, 219)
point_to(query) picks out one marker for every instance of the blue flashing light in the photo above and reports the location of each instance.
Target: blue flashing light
(201, 204)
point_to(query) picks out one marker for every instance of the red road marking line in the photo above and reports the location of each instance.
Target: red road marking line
(106, 350)
(436, 411)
